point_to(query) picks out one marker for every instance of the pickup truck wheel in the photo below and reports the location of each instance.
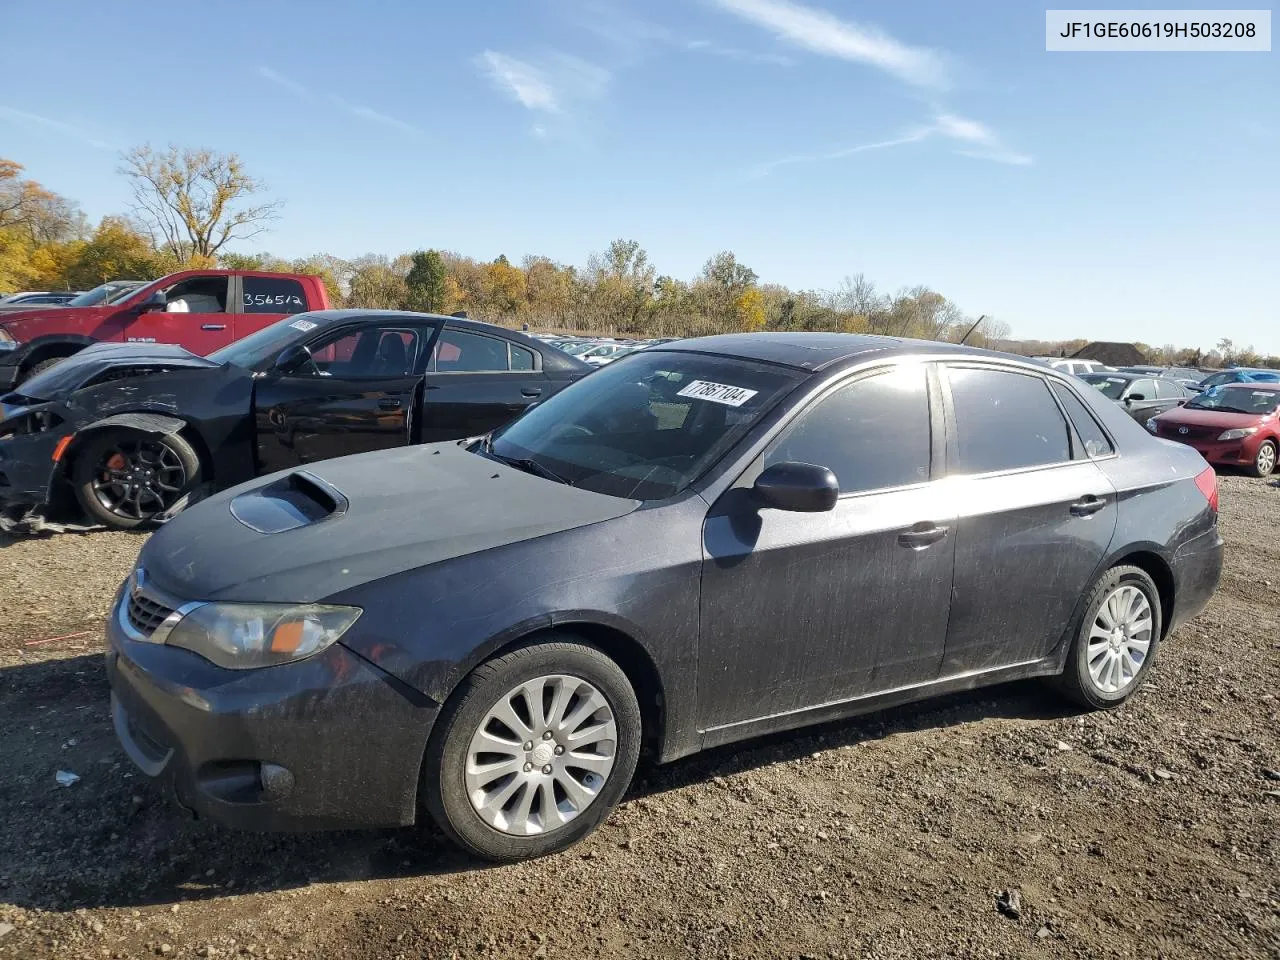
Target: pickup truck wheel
(126, 478)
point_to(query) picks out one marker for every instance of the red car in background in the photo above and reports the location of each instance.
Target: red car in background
(1235, 424)
(201, 310)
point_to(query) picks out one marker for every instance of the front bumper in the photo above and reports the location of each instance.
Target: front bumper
(1227, 453)
(9, 371)
(327, 742)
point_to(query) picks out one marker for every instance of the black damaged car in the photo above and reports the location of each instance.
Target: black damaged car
(703, 542)
(128, 433)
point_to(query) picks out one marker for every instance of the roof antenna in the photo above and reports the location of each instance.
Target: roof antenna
(973, 328)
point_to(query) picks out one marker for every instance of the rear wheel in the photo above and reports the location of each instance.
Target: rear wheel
(126, 478)
(1265, 461)
(1115, 641)
(533, 751)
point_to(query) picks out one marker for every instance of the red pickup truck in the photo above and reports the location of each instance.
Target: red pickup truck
(201, 310)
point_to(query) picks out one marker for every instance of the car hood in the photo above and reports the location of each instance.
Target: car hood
(1209, 418)
(345, 522)
(11, 318)
(60, 381)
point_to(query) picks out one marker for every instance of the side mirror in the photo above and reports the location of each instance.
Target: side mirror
(798, 487)
(157, 301)
(291, 359)
(1134, 396)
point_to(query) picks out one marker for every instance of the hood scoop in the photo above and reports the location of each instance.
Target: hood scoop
(299, 499)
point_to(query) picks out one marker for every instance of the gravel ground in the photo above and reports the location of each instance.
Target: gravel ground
(1150, 831)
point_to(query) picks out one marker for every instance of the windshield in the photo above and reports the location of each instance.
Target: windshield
(1110, 387)
(256, 351)
(1236, 398)
(103, 293)
(647, 426)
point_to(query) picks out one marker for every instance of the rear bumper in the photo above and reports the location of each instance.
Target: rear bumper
(328, 742)
(1197, 569)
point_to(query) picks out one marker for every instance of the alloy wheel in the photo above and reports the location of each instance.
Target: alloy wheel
(138, 478)
(541, 755)
(1266, 459)
(1119, 639)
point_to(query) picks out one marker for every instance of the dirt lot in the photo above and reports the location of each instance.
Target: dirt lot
(1151, 831)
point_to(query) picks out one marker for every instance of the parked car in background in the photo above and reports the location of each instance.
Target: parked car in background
(32, 299)
(1235, 424)
(123, 433)
(606, 353)
(698, 544)
(1073, 366)
(201, 310)
(1142, 396)
(1240, 375)
(1188, 377)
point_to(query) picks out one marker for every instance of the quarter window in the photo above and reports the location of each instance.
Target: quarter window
(273, 295)
(1005, 421)
(872, 434)
(1095, 441)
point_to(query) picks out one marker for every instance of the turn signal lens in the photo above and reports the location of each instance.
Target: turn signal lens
(1207, 481)
(61, 448)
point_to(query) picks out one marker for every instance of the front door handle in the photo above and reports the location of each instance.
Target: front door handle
(213, 326)
(389, 403)
(1087, 506)
(530, 391)
(921, 535)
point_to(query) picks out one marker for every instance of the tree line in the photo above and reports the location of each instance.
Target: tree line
(190, 206)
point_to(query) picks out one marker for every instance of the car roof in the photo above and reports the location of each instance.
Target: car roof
(821, 351)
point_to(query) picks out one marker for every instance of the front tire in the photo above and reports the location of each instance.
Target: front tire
(126, 478)
(1115, 640)
(533, 751)
(41, 367)
(1265, 460)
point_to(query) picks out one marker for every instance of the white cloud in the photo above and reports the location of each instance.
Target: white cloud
(57, 126)
(736, 53)
(293, 86)
(824, 33)
(523, 81)
(374, 116)
(981, 143)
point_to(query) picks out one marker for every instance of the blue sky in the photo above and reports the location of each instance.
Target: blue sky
(1117, 196)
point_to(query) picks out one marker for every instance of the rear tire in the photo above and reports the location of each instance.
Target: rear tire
(124, 479)
(503, 802)
(1265, 460)
(1115, 640)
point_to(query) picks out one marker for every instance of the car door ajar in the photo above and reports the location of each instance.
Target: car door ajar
(1035, 516)
(357, 393)
(805, 609)
(477, 382)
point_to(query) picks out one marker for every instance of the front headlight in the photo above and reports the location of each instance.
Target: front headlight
(242, 636)
(6, 340)
(1238, 434)
(1151, 425)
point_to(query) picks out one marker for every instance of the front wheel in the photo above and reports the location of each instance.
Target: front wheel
(126, 478)
(1265, 461)
(533, 751)
(1115, 641)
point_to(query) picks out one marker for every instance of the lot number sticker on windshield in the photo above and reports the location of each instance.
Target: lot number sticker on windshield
(303, 325)
(730, 396)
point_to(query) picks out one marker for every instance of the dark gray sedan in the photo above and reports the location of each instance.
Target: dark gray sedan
(705, 541)
(1140, 395)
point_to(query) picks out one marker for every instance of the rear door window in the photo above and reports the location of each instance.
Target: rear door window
(1005, 421)
(872, 434)
(1091, 435)
(273, 295)
(459, 352)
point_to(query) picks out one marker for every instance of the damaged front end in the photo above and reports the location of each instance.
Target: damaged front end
(33, 435)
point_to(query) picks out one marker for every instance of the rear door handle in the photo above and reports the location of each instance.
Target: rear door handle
(1087, 506)
(921, 535)
(213, 326)
(389, 403)
(530, 391)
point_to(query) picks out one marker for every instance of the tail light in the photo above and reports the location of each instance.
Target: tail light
(1207, 481)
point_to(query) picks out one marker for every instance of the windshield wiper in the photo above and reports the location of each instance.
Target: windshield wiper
(528, 465)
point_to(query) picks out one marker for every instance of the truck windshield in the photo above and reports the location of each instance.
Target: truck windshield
(646, 426)
(104, 293)
(258, 350)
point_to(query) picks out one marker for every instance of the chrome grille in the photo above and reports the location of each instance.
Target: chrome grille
(145, 614)
(1173, 432)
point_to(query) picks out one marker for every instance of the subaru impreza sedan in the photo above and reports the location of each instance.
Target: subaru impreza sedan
(703, 542)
